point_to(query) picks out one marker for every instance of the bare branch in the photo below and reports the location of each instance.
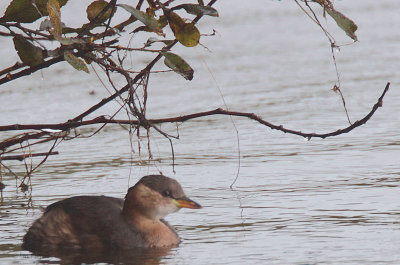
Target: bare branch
(22, 157)
(219, 111)
(9, 77)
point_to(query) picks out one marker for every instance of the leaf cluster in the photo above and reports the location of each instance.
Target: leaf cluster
(41, 39)
(86, 41)
(98, 42)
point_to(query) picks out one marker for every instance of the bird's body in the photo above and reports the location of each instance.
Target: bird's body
(106, 223)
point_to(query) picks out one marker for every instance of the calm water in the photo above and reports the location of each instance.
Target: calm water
(332, 201)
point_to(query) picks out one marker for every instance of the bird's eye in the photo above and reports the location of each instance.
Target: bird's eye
(167, 193)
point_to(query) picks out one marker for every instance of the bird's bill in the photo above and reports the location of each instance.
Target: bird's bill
(186, 203)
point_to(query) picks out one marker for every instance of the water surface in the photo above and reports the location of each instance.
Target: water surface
(332, 201)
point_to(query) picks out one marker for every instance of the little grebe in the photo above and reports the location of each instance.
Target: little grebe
(107, 223)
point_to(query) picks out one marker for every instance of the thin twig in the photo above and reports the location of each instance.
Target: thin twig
(22, 157)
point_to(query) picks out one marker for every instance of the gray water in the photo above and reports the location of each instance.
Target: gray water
(332, 201)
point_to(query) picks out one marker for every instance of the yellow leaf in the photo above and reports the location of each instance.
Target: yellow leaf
(95, 8)
(186, 33)
(53, 7)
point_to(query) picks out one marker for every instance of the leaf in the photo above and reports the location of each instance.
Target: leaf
(152, 40)
(53, 8)
(86, 26)
(25, 11)
(69, 41)
(198, 10)
(77, 63)
(178, 65)
(345, 23)
(163, 21)
(95, 8)
(146, 19)
(21, 11)
(27, 52)
(42, 5)
(89, 57)
(45, 25)
(186, 33)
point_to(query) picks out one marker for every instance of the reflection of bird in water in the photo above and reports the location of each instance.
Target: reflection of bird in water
(106, 223)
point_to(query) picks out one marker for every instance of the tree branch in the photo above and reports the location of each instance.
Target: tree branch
(5, 144)
(219, 111)
(22, 157)
(134, 80)
(9, 77)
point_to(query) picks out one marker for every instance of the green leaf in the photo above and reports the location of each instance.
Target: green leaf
(21, 11)
(53, 8)
(27, 52)
(95, 8)
(25, 11)
(186, 33)
(178, 65)
(198, 10)
(146, 19)
(152, 40)
(77, 63)
(345, 23)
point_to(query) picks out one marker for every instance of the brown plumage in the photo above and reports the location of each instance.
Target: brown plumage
(106, 223)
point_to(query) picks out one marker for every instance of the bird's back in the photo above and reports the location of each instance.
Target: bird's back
(83, 222)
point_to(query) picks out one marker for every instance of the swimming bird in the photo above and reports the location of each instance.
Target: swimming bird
(106, 223)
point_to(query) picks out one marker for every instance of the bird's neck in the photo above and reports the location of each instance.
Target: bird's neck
(157, 232)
